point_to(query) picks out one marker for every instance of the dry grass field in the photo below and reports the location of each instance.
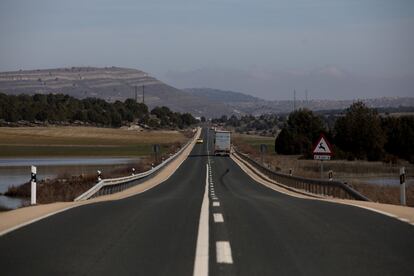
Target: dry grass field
(83, 141)
(254, 141)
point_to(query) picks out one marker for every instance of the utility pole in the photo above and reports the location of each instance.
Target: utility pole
(136, 94)
(306, 96)
(143, 94)
(294, 99)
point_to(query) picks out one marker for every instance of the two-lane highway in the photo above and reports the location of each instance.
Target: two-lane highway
(275, 234)
(251, 230)
(153, 233)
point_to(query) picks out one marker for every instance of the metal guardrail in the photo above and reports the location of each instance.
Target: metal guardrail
(114, 185)
(315, 186)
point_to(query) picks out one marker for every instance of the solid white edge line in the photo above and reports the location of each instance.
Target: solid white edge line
(11, 229)
(35, 220)
(223, 252)
(322, 199)
(218, 217)
(202, 247)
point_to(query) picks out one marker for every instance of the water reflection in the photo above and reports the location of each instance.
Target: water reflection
(15, 171)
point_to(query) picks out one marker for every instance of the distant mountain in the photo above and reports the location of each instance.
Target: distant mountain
(241, 103)
(111, 84)
(327, 82)
(227, 97)
(236, 102)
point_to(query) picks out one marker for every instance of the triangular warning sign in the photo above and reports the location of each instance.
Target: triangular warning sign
(323, 146)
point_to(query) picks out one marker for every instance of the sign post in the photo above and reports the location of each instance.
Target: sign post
(402, 186)
(33, 185)
(330, 175)
(322, 151)
(156, 150)
(263, 149)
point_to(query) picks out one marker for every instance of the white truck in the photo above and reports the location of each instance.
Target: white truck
(222, 143)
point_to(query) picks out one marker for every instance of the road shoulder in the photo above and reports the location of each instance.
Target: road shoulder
(15, 219)
(402, 213)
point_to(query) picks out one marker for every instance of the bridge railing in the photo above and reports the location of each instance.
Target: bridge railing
(114, 185)
(315, 186)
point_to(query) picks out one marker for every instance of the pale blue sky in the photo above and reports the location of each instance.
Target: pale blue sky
(166, 38)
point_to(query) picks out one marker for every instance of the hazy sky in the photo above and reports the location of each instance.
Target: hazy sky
(262, 47)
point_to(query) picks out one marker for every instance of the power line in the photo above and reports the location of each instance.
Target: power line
(143, 94)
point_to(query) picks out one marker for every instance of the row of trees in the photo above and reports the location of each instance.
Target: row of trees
(265, 124)
(56, 108)
(360, 133)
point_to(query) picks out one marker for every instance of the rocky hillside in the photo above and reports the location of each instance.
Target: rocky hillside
(111, 84)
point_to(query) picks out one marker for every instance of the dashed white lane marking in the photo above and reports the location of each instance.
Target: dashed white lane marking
(216, 204)
(214, 198)
(218, 217)
(223, 252)
(201, 256)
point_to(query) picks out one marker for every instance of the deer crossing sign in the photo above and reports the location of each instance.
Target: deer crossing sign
(322, 150)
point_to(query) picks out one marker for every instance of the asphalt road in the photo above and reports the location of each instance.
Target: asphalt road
(253, 231)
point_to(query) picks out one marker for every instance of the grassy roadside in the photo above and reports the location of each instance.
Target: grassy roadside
(83, 141)
(353, 172)
(254, 141)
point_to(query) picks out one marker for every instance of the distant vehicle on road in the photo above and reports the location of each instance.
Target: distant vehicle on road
(222, 143)
(199, 141)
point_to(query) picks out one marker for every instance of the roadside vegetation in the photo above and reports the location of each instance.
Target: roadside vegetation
(63, 109)
(366, 146)
(63, 126)
(358, 133)
(67, 187)
(355, 173)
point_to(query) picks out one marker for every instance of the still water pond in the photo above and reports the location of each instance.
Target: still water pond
(16, 171)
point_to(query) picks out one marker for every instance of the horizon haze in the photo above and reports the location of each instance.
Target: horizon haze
(331, 49)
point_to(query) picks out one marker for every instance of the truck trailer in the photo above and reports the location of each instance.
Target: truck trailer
(222, 143)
